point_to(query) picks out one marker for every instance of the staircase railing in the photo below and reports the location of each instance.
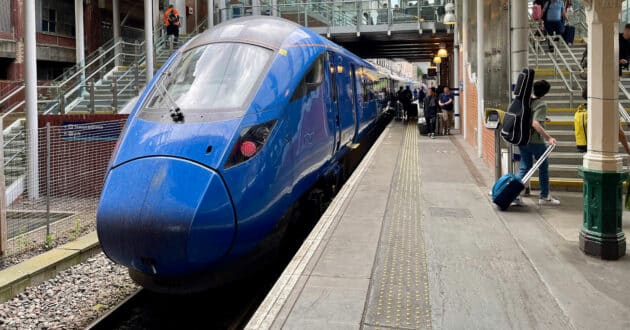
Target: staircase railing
(558, 70)
(62, 96)
(578, 20)
(12, 101)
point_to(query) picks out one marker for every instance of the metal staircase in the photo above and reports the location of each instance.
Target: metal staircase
(110, 78)
(562, 69)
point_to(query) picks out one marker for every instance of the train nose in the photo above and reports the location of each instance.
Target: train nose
(165, 216)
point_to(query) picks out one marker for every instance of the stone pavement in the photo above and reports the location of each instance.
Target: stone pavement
(413, 241)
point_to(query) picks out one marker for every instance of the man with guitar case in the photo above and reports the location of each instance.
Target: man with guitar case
(519, 124)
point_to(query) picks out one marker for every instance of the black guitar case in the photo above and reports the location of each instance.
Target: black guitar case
(517, 123)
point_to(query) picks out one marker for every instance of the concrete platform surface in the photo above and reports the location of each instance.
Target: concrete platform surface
(40, 268)
(413, 241)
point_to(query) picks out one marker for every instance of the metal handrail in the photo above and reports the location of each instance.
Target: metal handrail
(129, 84)
(103, 53)
(12, 94)
(623, 114)
(346, 13)
(78, 66)
(6, 143)
(557, 68)
(577, 63)
(14, 157)
(97, 71)
(15, 107)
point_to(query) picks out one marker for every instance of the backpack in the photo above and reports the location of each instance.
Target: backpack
(579, 123)
(517, 123)
(173, 19)
(536, 12)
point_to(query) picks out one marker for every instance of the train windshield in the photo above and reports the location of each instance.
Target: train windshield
(215, 79)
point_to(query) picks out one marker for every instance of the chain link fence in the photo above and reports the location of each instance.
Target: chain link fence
(72, 162)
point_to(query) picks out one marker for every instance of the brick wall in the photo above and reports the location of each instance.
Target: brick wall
(471, 107)
(487, 136)
(54, 40)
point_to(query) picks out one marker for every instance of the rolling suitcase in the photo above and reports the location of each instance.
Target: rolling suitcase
(569, 34)
(508, 187)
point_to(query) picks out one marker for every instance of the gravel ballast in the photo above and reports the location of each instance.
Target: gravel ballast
(72, 299)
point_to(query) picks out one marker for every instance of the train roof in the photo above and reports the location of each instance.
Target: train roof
(263, 30)
(266, 31)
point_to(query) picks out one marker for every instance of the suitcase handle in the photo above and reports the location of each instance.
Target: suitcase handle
(539, 162)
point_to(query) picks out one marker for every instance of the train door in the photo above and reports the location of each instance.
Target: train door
(357, 98)
(334, 100)
(345, 100)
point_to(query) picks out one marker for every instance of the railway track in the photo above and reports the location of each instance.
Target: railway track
(225, 308)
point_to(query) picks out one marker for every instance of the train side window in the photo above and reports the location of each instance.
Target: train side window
(312, 79)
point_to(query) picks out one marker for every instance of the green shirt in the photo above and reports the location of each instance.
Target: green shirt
(539, 113)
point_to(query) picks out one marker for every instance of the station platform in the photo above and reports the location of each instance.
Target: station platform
(412, 241)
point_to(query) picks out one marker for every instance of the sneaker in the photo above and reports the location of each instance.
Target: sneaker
(517, 202)
(548, 201)
(433, 135)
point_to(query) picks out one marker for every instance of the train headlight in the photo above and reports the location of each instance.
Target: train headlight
(249, 143)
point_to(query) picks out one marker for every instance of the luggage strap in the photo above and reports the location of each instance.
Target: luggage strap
(539, 162)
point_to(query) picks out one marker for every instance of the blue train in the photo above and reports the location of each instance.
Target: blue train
(233, 130)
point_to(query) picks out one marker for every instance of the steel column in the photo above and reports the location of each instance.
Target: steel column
(30, 80)
(116, 27)
(80, 36)
(210, 13)
(148, 38)
(481, 68)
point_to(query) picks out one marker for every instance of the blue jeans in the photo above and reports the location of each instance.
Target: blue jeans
(528, 153)
(554, 27)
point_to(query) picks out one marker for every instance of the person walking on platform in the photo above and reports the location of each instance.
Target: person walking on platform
(171, 21)
(446, 103)
(536, 146)
(554, 14)
(406, 100)
(431, 111)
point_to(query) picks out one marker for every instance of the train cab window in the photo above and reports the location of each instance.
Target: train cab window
(312, 79)
(214, 80)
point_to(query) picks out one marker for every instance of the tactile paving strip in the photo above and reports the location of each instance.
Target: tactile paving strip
(399, 292)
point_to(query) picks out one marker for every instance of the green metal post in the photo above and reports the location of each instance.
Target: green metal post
(601, 235)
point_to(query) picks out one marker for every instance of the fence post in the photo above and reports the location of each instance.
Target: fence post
(3, 198)
(91, 86)
(114, 96)
(47, 181)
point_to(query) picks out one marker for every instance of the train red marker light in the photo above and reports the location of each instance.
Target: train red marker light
(248, 148)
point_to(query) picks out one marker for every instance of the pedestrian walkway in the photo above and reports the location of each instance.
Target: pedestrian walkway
(413, 241)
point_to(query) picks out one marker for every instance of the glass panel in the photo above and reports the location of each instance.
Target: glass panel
(211, 79)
